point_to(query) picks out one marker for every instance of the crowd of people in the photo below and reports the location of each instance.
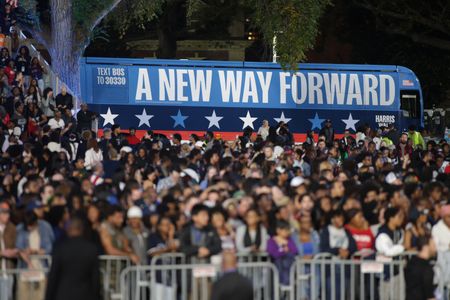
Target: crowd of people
(379, 190)
(261, 193)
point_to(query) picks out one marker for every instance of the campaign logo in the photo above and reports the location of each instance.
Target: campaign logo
(384, 120)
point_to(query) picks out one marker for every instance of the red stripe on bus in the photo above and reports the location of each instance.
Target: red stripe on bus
(225, 135)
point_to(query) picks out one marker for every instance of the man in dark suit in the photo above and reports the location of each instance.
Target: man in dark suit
(231, 285)
(74, 273)
(85, 118)
(347, 142)
(328, 132)
(64, 99)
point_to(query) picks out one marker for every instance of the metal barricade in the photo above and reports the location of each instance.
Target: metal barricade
(193, 281)
(173, 276)
(23, 284)
(110, 269)
(45, 260)
(329, 278)
(259, 279)
(252, 257)
(407, 255)
(168, 259)
(180, 258)
(265, 279)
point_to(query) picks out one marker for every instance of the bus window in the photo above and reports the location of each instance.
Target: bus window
(410, 104)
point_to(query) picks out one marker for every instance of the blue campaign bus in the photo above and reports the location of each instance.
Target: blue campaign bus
(187, 96)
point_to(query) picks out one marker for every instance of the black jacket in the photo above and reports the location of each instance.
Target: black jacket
(84, 119)
(419, 279)
(74, 273)
(64, 100)
(328, 132)
(82, 148)
(210, 240)
(232, 286)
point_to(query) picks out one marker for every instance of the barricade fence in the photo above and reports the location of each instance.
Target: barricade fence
(193, 281)
(27, 283)
(173, 276)
(330, 278)
(110, 269)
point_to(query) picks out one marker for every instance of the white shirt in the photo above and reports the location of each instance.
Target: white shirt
(56, 124)
(264, 132)
(91, 158)
(73, 149)
(385, 246)
(360, 137)
(338, 237)
(441, 236)
(377, 142)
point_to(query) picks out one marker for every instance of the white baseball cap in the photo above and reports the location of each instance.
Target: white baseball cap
(393, 179)
(126, 149)
(199, 144)
(191, 173)
(134, 212)
(297, 181)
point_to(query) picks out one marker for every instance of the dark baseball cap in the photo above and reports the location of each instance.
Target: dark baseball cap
(34, 204)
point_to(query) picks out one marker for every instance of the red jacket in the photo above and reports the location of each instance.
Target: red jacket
(11, 74)
(133, 140)
(363, 237)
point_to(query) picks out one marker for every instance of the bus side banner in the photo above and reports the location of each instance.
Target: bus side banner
(239, 87)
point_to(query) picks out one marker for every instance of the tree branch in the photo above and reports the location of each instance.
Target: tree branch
(103, 14)
(421, 38)
(41, 35)
(431, 41)
(83, 40)
(401, 16)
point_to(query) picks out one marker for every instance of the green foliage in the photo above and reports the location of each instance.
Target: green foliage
(294, 22)
(100, 33)
(85, 12)
(27, 14)
(213, 16)
(139, 12)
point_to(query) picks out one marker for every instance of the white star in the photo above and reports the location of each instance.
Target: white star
(144, 119)
(108, 117)
(350, 123)
(248, 121)
(213, 120)
(282, 118)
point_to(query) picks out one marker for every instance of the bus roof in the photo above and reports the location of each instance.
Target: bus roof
(240, 64)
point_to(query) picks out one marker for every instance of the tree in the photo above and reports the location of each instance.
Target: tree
(70, 25)
(423, 22)
(415, 34)
(294, 22)
(66, 33)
